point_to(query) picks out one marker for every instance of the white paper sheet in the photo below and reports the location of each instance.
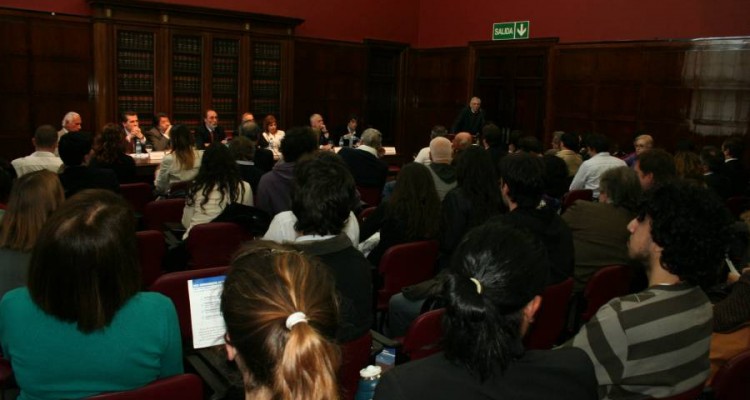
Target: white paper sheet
(205, 301)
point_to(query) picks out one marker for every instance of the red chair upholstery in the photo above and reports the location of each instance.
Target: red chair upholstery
(355, 356)
(370, 195)
(738, 204)
(732, 380)
(691, 394)
(424, 335)
(151, 250)
(551, 316)
(137, 194)
(214, 243)
(178, 387)
(570, 197)
(404, 265)
(606, 284)
(7, 379)
(157, 213)
(366, 213)
(174, 286)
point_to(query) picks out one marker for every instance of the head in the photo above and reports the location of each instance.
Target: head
(211, 119)
(84, 266)
(415, 201)
(247, 117)
(711, 159)
(654, 167)
(218, 171)
(323, 193)
(497, 273)
(74, 148)
(269, 124)
(250, 130)
(643, 143)
(476, 177)
(109, 144)
(298, 142)
(438, 131)
(620, 187)
(182, 145)
(688, 166)
(441, 150)
(372, 137)
(242, 149)
(316, 121)
(492, 135)
(266, 284)
(32, 199)
(557, 139)
(474, 104)
(522, 180)
(129, 120)
(72, 122)
(531, 145)
(161, 122)
(569, 141)
(45, 138)
(597, 143)
(683, 229)
(733, 147)
(352, 124)
(462, 141)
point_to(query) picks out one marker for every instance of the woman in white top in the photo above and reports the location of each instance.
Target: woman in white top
(272, 136)
(217, 185)
(182, 163)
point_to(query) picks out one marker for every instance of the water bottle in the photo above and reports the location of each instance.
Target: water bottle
(341, 141)
(138, 147)
(369, 378)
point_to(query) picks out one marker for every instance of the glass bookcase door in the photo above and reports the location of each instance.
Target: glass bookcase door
(187, 68)
(224, 80)
(265, 85)
(135, 74)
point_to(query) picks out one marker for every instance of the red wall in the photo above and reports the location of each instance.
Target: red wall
(447, 24)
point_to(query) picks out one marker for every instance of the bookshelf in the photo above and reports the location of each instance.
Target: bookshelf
(187, 64)
(265, 84)
(135, 73)
(224, 80)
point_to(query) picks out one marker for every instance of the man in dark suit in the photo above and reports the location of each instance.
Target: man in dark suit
(733, 168)
(712, 160)
(263, 158)
(368, 170)
(75, 150)
(210, 131)
(132, 132)
(471, 118)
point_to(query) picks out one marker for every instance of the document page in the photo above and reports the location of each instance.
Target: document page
(205, 300)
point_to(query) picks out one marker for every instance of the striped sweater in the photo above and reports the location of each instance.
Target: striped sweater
(650, 344)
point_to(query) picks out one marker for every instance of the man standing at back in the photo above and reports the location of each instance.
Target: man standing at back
(471, 118)
(45, 143)
(592, 169)
(656, 343)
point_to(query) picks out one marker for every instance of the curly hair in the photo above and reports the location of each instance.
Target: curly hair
(476, 178)
(109, 144)
(220, 172)
(415, 201)
(525, 176)
(692, 226)
(622, 186)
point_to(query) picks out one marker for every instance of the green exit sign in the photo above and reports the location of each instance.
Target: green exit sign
(510, 30)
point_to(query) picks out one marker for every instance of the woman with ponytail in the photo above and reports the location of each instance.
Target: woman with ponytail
(281, 315)
(492, 292)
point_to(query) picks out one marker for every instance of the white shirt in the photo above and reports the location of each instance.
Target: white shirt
(282, 230)
(590, 172)
(195, 215)
(423, 157)
(274, 141)
(170, 171)
(368, 149)
(37, 161)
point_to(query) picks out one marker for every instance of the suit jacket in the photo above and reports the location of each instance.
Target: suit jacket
(203, 136)
(719, 184)
(368, 170)
(469, 122)
(75, 179)
(157, 139)
(735, 172)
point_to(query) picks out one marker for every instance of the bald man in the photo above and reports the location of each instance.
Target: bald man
(461, 142)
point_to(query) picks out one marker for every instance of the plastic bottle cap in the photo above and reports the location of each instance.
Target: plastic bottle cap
(371, 371)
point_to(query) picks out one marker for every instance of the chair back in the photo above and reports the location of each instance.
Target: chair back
(732, 380)
(355, 355)
(370, 195)
(151, 250)
(157, 213)
(364, 214)
(404, 265)
(424, 335)
(137, 194)
(214, 243)
(606, 284)
(174, 286)
(551, 316)
(178, 189)
(178, 387)
(573, 195)
(691, 394)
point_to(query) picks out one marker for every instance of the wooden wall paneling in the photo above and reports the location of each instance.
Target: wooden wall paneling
(386, 70)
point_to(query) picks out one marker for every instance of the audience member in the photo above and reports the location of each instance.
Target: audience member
(441, 167)
(688, 166)
(711, 161)
(592, 169)
(600, 234)
(530, 144)
(366, 167)
(33, 198)
(274, 187)
(569, 147)
(423, 157)
(731, 325)
(181, 163)
(655, 343)
(217, 185)
(133, 137)
(281, 316)
(82, 327)
(470, 119)
(263, 157)
(654, 167)
(243, 152)
(556, 180)
(158, 135)
(45, 146)
(733, 167)
(75, 152)
(461, 142)
(109, 153)
(641, 144)
(272, 136)
(556, 141)
(209, 132)
(492, 139)
(492, 294)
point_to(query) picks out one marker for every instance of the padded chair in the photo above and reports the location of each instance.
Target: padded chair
(422, 339)
(157, 213)
(551, 316)
(732, 380)
(178, 387)
(137, 194)
(573, 195)
(404, 265)
(370, 195)
(355, 356)
(606, 284)
(365, 213)
(214, 243)
(174, 286)
(151, 250)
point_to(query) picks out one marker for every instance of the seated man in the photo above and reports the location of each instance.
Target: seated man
(654, 167)
(423, 156)
(45, 144)
(656, 343)
(75, 151)
(323, 194)
(368, 170)
(492, 293)
(591, 170)
(442, 171)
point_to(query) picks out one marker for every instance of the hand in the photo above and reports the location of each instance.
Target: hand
(323, 129)
(137, 132)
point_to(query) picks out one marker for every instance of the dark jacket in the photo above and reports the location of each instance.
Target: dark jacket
(274, 189)
(124, 167)
(368, 170)
(75, 179)
(203, 136)
(469, 122)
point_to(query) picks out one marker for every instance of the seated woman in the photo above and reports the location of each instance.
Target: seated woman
(81, 327)
(217, 185)
(492, 293)
(281, 315)
(109, 153)
(181, 164)
(410, 214)
(33, 198)
(272, 136)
